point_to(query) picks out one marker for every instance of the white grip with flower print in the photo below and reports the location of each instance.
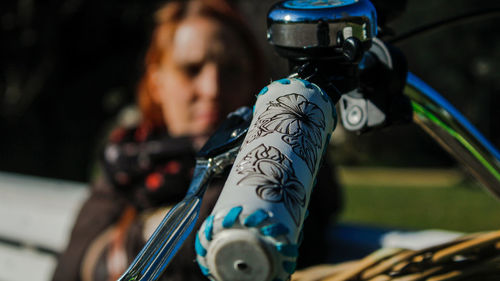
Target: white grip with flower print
(253, 231)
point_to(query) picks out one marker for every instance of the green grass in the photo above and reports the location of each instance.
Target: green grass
(460, 208)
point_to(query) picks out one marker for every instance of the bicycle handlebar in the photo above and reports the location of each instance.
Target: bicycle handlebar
(253, 231)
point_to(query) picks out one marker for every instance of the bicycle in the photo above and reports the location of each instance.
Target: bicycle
(334, 56)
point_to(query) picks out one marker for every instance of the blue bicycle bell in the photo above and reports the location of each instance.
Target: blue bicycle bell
(322, 29)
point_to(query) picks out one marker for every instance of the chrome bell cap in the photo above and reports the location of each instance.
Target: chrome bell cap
(320, 23)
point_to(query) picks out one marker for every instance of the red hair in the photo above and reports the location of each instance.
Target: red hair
(168, 18)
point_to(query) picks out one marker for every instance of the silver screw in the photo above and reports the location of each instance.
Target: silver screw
(354, 115)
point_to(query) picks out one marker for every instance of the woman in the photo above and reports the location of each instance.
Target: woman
(202, 63)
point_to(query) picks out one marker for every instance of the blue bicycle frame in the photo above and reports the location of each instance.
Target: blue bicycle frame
(455, 133)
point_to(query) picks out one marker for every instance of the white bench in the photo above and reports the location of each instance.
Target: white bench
(37, 214)
(36, 217)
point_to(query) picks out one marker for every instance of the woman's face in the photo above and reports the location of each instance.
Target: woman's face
(205, 75)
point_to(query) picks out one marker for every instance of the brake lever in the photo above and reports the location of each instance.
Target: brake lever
(218, 153)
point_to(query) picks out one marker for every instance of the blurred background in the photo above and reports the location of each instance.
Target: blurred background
(68, 68)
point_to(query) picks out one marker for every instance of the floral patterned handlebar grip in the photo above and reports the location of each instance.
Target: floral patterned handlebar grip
(254, 230)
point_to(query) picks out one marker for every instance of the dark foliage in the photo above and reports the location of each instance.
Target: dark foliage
(69, 66)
